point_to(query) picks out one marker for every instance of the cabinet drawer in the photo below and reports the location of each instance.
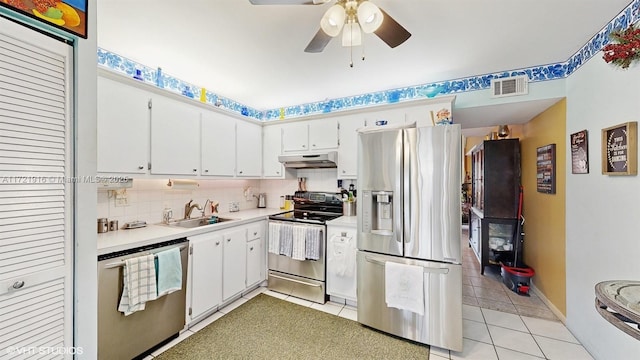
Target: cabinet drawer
(254, 232)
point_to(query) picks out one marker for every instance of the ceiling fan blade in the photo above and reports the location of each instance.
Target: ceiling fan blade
(288, 2)
(318, 43)
(391, 32)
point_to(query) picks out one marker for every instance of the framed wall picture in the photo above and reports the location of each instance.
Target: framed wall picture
(546, 169)
(68, 15)
(620, 149)
(580, 152)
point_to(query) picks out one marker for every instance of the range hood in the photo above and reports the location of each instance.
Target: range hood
(310, 161)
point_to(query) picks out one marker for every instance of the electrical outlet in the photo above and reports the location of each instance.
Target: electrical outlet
(234, 206)
(121, 198)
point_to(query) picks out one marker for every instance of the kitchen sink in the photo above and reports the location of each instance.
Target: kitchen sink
(192, 223)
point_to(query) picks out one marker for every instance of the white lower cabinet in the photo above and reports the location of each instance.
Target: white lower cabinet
(234, 262)
(205, 267)
(223, 264)
(256, 255)
(341, 261)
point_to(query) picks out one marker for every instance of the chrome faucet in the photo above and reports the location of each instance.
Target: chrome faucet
(188, 208)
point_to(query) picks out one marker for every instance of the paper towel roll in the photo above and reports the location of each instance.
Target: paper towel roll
(183, 184)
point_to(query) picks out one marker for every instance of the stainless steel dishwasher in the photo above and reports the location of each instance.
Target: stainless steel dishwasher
(126, 337)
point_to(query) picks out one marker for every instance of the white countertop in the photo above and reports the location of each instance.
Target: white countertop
(351, 221)
(120, 240)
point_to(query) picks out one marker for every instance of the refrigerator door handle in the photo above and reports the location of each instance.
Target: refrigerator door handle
(426, 268)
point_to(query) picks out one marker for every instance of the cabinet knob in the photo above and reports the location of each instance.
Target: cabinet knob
(140, 167)
(217, 242)
(304, 146)
(206, 170)
(255, 233)
(229, 240)
(251, 248)
(344, 171)
(278, 172)
(314, 145)
(18, 285)
(194, 170)
(240, 172)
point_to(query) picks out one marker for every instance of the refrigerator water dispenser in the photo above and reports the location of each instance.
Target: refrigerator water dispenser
(378, 212)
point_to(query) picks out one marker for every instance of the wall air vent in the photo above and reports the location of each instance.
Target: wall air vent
(511, 86)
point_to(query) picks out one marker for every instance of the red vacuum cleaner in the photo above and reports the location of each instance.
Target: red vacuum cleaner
(516, 275)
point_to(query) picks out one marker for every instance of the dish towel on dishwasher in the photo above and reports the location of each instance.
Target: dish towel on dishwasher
(286, 240)
(404, 286)
(139, 279)
(312, 243)
(168, 271)
(274, 238)
(298, 249)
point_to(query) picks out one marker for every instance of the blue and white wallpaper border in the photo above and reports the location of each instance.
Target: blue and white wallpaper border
(624, 19)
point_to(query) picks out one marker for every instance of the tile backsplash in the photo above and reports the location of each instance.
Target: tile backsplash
(149, 197)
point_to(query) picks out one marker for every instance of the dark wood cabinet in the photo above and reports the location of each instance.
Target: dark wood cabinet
(495, 180)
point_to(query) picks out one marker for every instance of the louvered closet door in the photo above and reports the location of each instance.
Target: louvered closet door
(35, 196)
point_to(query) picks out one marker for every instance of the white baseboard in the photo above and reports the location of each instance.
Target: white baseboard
(549, 304)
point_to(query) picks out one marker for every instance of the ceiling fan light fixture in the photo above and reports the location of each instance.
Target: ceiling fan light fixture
(369, 16)
(333, 20)
(351, 35)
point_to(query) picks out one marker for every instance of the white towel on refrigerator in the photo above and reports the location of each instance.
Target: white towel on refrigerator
(404, 287)
(298, 246)
(274, 238)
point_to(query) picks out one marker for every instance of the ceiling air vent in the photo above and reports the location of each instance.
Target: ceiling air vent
(511, 86)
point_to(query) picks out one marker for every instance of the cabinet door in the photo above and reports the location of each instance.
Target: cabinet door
(206, 274)
(295, 137)
(323, 134)
(248, 149)
(234, 262)
(255, 266)
(218, 144)
(271, 149)
(348, 149)
(175, 137)
(123, 128)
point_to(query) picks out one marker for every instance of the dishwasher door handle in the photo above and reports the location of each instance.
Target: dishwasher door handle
(121, 263)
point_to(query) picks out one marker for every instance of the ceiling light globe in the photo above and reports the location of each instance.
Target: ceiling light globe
(351, 36)
(369, 16)
(333, 20)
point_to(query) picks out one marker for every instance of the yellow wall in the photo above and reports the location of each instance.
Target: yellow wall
(544, 240)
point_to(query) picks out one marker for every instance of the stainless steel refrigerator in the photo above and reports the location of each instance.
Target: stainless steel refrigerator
(409, 261)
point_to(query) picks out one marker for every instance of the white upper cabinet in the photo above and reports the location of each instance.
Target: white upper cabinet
(218, 142)
(271, 149)
(323, 134)
(123, 128)
(175, 144)
(348, 149)
(320, 134)
(248, 149)
(295, 137)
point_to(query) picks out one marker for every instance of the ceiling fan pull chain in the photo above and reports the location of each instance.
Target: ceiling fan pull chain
(351, 56)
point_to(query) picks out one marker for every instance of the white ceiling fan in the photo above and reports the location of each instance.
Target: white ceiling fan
(352, 17)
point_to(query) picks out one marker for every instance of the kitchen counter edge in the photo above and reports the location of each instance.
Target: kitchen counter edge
(122, 240)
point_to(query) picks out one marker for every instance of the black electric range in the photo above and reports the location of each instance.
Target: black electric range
(313, 207)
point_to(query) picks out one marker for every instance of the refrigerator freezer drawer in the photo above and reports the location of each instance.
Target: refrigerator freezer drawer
(297, 286)
(441, 324)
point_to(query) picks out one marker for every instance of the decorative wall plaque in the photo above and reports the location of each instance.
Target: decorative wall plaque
(620, 149)
(580, 152)
(546, 169)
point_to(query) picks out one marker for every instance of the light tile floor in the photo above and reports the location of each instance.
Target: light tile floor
(498, 324)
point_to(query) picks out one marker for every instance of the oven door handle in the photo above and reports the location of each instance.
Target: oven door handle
(295, 281)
